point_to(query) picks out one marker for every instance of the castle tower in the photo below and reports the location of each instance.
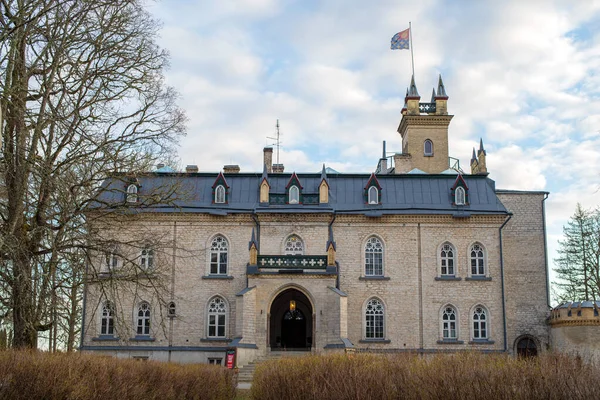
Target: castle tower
(424, 132)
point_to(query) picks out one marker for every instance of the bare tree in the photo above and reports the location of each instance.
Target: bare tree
(82, 99)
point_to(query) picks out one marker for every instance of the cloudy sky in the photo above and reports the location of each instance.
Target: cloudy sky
(522, 75)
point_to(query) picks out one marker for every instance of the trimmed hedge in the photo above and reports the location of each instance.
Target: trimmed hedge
(405, 376)
(36, 375)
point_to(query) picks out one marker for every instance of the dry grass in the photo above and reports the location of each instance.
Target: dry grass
(403, 376)
(35, 375)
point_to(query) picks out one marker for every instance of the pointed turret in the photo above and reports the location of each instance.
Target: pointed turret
(441, 91)
(412, 91)
(264, 186)
(432, 96)
(441, 99)
(473, 157)
(253, 248)
(412, 98)
(324, 187)
(481, 158)
(330, 248)
(474, 165)
(481, 149)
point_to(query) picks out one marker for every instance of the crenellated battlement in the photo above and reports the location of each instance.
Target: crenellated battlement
(577, 313)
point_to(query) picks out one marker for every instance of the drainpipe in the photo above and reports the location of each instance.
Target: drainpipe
(257, 223)
(330, 234)
(85, 287)
(502, 280)
(546, 249)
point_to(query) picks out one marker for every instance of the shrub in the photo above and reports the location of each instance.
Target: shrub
(35, 375)
(406, 376)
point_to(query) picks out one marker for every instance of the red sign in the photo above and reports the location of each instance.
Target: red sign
(230, 359)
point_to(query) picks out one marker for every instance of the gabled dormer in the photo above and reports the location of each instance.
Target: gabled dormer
(132, 187)
(265, 188)
(324, 188)
(220, 190)
(460, 192)
(372, 192)
(293, 191)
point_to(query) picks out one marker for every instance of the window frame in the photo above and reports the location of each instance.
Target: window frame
(220, 195)
(218, 322)
(370, 256)
(143, 319)
(451, 325)
(107, 319)
(132, 193)
(374, 320)
(430, 152)
(216, 254)
(373, 195)
(111, 260)
(294, 195)
(460, 196)
(476, 323)
(147, 259)
(443, 263)
(289, 251)
(478, 259)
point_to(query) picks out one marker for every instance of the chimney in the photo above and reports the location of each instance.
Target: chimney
(231, 169)
(268, 158)
(191, 168)
(278, 168)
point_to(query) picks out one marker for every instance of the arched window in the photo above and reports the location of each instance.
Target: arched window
(294, 195)
(172, 309)
(373, 195)
(220, 194)
(447, 260)
(147, 259)
(111, 259)
(217, 313)
(132, 196)
(480, 323)
(374, 257)
(218, 256)
(428, 148)
(459, 196)
(143, 319)
(374, 319)
(107, 322)
(449, 331)
(477, 255)
(294, 246)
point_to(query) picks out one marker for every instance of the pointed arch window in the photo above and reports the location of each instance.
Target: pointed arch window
(372, 191)
(107, 321)
(132, 193)
(480, 323)
(111, 259)
(147, 258)
(460, 196)
(294, 246)
(460, 192)
(220, 194)
(219, 251)
(449, 327)
(374, 257)
(217, 318)
(373, 195)
(428, 148)
(447, 254)
(374, 319)
(478, 260)
(143, 319)
(294, 194)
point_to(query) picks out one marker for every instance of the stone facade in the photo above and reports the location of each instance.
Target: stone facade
(388, 263)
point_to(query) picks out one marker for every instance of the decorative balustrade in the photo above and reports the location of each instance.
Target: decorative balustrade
(427, 107)
(292, 262)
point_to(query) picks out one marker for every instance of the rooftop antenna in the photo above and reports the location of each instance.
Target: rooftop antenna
(277, 141)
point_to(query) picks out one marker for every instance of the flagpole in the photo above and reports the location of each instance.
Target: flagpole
(412, 57)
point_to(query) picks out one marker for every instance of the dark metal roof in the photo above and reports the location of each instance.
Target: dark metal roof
(400, 194)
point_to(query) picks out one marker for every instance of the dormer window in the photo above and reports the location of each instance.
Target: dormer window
(132, 193)
(428, 148)
(373, 195)
(294, 195)
(220, 194)
(459, 194)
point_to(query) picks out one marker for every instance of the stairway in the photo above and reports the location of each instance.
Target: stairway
(246, 372)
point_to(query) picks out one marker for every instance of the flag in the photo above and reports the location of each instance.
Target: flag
(400, 40)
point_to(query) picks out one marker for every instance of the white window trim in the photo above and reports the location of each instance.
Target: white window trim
(208, 314)
(373, 196)
(454, 258)
(146, 258)
(132, 193)
(456, 323)
(294, 195)
(143, 318)
(485, 260)
(364, 315)
(210, 253)
(107, 305)
(220, 194)
(460, 196)
(111, 260)
(365, 256)
(425, 152)
(487, 322)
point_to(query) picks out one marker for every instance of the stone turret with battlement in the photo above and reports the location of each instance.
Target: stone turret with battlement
(575, 328)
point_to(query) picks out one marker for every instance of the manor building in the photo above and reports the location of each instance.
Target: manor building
(415, 256)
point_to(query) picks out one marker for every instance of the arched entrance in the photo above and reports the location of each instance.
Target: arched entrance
(526, 347)
(291, 322)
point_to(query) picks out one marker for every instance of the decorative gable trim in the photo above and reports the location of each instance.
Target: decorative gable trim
(290, 198)
(372, 183)
(220, 181)
(460, 192)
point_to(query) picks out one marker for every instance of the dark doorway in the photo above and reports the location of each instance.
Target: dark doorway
(526, 347)
(291, 322)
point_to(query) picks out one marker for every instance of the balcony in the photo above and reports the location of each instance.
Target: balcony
(291, 264)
